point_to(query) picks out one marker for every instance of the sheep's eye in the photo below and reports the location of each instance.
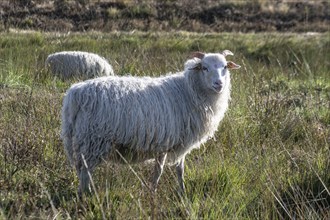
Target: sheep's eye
(204, 68)
(225, 67)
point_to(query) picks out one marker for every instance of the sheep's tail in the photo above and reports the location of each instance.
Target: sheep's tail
(69, 113)
(47, 62)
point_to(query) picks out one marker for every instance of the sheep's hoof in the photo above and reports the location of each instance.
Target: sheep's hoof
(181, 192)
(86, 192)
(153, 189)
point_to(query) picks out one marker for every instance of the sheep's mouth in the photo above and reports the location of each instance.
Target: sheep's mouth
(217, 89)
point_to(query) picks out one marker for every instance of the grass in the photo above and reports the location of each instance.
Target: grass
(269, 160)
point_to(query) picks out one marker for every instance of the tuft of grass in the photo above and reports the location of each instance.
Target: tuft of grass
(9, 78)
(113, 12)
(139, 11)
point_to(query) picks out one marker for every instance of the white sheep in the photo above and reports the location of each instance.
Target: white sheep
(68, 64)
(141, 118)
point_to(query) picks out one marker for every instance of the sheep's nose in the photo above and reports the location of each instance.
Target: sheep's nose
(218, 83)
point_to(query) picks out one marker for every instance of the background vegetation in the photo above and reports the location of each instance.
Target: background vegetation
(269, 160)
(166, 15)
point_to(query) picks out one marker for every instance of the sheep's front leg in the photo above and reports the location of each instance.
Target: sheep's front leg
(179, 171)
(84, 181)
(159, 166)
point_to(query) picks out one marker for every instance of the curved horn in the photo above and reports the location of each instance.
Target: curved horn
(227, 52)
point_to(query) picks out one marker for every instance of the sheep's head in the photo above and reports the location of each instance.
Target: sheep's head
(214, 68)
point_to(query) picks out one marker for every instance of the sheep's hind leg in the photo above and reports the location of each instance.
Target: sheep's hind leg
(84, 177)
(180, 171)
(159, 166)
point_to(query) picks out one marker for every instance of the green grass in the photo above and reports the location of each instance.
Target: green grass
(269, 160)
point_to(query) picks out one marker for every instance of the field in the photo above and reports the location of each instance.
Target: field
(269, 160)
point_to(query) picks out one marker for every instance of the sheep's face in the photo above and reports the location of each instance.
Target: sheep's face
(214, 68)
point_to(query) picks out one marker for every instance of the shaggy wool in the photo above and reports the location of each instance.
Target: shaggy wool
(68, 64)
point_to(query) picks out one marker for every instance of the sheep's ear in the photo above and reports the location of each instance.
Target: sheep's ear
(227, 52)
(197, 67)
(232, 65)
(197, 54)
